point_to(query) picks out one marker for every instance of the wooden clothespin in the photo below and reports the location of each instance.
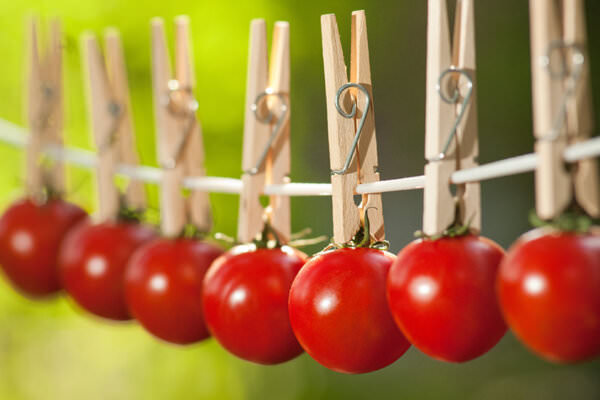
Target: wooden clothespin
(44, 109)
(451, 141)
(179, 143)
(111, 122)
(350, 164)
(562, 107)
(266, 155)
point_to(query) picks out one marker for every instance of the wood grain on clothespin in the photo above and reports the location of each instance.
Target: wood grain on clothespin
(179, 144)
(44, 108)
(273, 77)
(135, 193)
(341, 131)
(108, 104)
(580, 121)
(552, 181)
(255, 135)
(439, 204)
(279, 159)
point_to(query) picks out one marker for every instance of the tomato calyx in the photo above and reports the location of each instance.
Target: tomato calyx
(300, 239)
(129, 214)
(362, 238)
(48, 190)
(456, 229)
(46, 194)
(269, 238)
(574, 219)
(191, 231)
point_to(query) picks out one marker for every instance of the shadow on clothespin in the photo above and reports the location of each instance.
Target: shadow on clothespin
(562, 107)
(44, 110)
(111, 122)
(351, 130)
(266, 154)
(179, 142)
(451, 141)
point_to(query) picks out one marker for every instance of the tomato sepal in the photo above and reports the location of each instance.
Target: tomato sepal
(572, 220)
(362, 238)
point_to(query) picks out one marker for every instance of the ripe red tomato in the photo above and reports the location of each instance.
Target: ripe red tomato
(92, 263)
(549, 290)
(163, 286)
(441, 293)
(339, 312)
(30, 237)
(245, 302)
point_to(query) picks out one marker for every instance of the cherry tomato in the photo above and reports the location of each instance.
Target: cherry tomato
(339, 312)
(245, 302)
(441, 293)
(163, 286)
(92, 264)
(30, 237)
(549, 290)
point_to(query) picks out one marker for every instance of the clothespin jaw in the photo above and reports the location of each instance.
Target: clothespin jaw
(135, 193)
(266, 152)
(44, 108)
(179, 143)
(561, 108)
(451, 139)
(580, 121)
(342, 129)
(109, 109)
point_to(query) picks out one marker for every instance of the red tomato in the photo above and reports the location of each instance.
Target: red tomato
(245, 302)
(339, 312)
(30, 237)
(92, 264)
(441, 293)
(549, 290)
(163, 286)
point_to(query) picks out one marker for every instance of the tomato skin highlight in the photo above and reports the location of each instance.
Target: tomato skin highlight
(441, 293)
(339, 311)
(163, 286)
(30, 238)
(245, 302)
(549, 291)
(92, 262)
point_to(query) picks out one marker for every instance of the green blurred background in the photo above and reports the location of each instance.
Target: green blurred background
(50, 350)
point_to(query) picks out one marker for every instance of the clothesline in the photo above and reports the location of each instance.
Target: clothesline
(16, 136)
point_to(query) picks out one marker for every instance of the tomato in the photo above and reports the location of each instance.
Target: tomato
(163, 287)
(245, 302)
(441, 293)
(30, 237)
(549, 290)
(339, 312)
(92, 264)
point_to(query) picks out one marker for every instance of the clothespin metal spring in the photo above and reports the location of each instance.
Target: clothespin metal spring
(572, 79)
(453, 100)
(175, 104)
(115, 110)
(352, 114)
(267, 119)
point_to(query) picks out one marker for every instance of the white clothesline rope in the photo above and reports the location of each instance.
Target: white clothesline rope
(16, 135)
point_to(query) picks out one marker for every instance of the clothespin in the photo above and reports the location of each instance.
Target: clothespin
(451, 141)
(44, 109)
(111, 122)
(179, 142)
(266, 155)
(562, 107)
(351, 129)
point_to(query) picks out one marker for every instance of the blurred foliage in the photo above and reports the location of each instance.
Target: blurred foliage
(48, 350)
